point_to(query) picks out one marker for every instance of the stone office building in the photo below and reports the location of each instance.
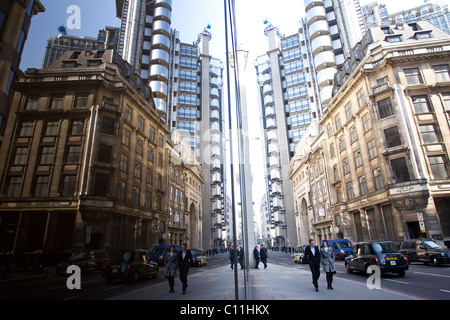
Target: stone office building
(87, 159)
(383, 143)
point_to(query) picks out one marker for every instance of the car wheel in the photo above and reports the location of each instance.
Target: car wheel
(401, 273)
(436, 262)
(136, 276)
(347, 267)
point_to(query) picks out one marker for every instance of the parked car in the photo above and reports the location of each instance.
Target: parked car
(158, 252)
(299, 255)
(341, 247)
(383, 254)
(426, 251)
(130, 265)
(198, 257)
(89, 260)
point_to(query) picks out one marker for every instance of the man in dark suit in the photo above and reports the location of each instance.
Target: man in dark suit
(184, 262)
(312, 255)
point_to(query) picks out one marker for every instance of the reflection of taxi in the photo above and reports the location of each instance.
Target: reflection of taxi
(299, 254)
(198, 258)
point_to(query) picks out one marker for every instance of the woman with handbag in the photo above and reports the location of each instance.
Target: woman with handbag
(327, 258)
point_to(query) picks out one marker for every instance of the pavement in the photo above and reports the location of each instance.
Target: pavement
(277, 282)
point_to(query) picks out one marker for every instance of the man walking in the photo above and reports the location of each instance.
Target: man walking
(256, 256)
(232, 253)
(263, 255)
(184, 262)
(241, 257)
(312, 255)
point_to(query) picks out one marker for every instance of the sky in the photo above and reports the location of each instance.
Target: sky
(190, 17)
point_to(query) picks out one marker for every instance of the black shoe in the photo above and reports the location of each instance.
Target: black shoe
(317, 289)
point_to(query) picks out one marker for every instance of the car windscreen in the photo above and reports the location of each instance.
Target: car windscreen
(80, 256)
(384, 247)
(158, 250)
(344, 244)
(433, 245)
(121, 256)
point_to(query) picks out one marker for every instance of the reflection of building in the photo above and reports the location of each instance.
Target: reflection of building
(379, 169)
(15, 21)
(295, 80)
(86, 163)
(186, 84)
(57, 45)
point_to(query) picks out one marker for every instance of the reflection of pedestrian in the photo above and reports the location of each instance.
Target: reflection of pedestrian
(171, 267)
(241, 257)
(327, 257)
(232, 252)
(256, 256)
(38, 263)
(312, 255)
(184, 262)
(263, 255)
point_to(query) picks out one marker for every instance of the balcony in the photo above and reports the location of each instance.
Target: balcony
(324, 60)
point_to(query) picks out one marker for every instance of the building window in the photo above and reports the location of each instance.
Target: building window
(14, 186)
(362, 186)
(41, 186)
(385, 108)
(161, 140)
(394, 38)
(81, 100)
(421, 104)
(101, 188)
(32, 102)
(139, 146)
(332, 151)
(329, 130)
(51, 128)
(361, 98)
(137, 170)
(353, 134)
(442, 73)
(429, 133)
(446, 100)
(47, 155)
(159, 181)
(77, 127)
(413, 76)
(108, 126)
(358, 159)
(350, 192)
(126, 137)
(141, 124)
(339, 197)
(73, 154)
(148, 200)
(373, 151)
(121, 195)
(346, 166)
(68, 185)
(335, 172)
(151, 155)
(21, 156)
(342, 144)
(400, 170)
(160, 160)
(378, 179)
(129, 113)
(338, 122)
(104, 153)
(152, 134)
(26, 129)
(56, 101)
(367, 123)
(149, 176)
(348, 110)
(438, 167)
(392, 137)
(123, 163)
(136, 193)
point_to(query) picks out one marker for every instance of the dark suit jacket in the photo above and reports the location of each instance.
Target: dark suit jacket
(312, 259)
(186, 262)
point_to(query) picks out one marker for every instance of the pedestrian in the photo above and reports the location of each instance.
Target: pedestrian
(171, 267)
(38, 262)
(312, 255)
(184, 262)
(256, 256)
(232, 252)
(327, 257)
(241, 257)
(263, 255)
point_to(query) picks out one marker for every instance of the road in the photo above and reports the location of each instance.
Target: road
(215, 281)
